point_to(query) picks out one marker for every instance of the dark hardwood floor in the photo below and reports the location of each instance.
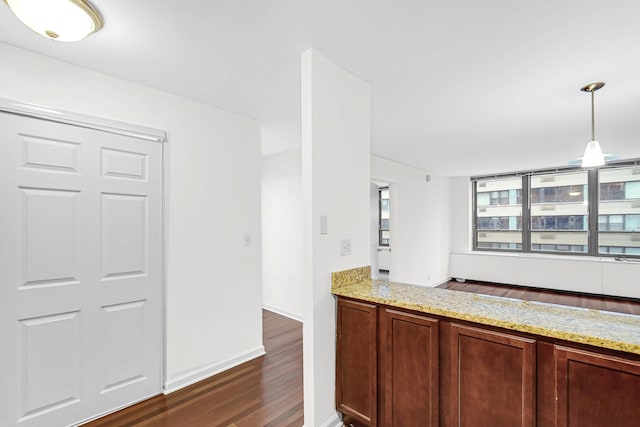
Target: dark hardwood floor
(597, 302)
(266, 391)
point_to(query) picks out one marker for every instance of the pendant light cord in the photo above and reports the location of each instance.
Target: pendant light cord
(593, 119)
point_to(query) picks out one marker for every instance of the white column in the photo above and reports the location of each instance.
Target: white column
(336, 137)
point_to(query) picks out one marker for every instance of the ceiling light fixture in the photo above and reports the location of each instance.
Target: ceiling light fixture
(61, 20)
(593, 153)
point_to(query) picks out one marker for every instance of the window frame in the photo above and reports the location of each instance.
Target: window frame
(475, 216)
(593, 189)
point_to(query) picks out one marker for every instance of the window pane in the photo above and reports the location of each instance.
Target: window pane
(384, 238)
(616, 222)
(619, 210)
(632, 222)
(632, 190)
(499, 223)
(603, 222)
(499, 214)
(383, 194)
(559, 212)
(612, 191)
(483, 199)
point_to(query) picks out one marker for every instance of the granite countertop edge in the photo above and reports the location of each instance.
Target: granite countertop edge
(615, 331)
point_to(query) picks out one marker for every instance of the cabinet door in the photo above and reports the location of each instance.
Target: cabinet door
(410, 354)
(492, 378)
(596, 390)
(356, 361)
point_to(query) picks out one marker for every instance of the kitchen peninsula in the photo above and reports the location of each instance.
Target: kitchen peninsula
(410, 355)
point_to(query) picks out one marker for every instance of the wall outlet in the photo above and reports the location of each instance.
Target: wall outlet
(345, 247)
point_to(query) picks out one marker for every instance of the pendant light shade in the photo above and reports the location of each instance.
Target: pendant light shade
(593, 155)
(61, 20)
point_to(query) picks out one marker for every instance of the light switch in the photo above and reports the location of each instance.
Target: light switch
(345, 247)
(247, 240)
(323, 224)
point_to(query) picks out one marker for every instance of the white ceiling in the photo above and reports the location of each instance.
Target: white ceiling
(459, 87)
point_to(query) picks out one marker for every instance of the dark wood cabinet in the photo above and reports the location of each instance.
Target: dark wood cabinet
(356, 364)
(397, 368)
(492, 378)
(409, 354)
(595, 389)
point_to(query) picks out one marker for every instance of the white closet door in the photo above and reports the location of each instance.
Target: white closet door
(80, 284)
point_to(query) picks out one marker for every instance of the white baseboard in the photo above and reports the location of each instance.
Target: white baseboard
(334, 421)
(116, 409)
(282, 312)
(199, 374)
(441, 282)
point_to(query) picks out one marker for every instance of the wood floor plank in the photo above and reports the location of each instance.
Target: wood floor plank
(266, 391)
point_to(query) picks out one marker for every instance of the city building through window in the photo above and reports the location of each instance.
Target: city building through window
(589, 212)
(383, 229)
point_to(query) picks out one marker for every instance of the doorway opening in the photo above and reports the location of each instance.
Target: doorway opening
(380, 230)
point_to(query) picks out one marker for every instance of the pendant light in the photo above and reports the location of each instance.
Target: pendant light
(593, 153)
(61, 20)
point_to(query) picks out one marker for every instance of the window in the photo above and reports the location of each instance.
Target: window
(612, 191)
(383, 215)
(559, 212)
(573, 211)
(619, 211)
(499, 214)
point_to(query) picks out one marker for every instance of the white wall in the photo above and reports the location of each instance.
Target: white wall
(336, 123)
(570, 273)
(282, 287)
(420, 219)
(213, 283)
(460, 214)
(374, 213)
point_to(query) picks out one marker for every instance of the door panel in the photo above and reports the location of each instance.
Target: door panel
(49, 154)
(411, 358)
(49, 237)
(356, 361)
(124, 164)
(50, 368)
(492, 377)
(123, 344)
(80, 289)
(124, 231)
(595, 389)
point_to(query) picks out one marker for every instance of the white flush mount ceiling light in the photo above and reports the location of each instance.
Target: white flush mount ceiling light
(593, 155)
(61, 20)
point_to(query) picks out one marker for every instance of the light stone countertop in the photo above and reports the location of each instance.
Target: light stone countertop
(616, 331)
